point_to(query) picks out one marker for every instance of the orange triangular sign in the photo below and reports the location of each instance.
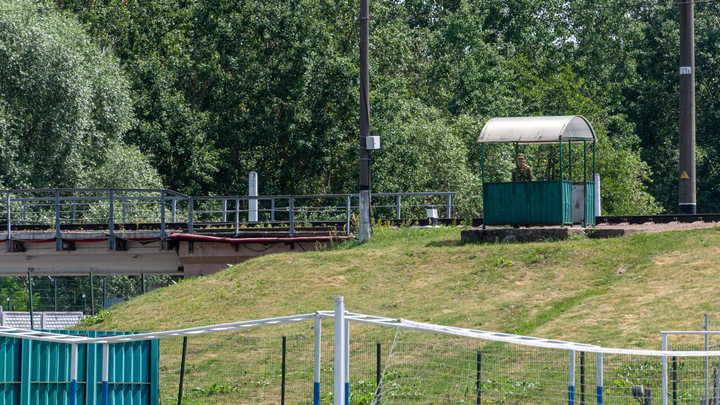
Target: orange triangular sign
(684, 175)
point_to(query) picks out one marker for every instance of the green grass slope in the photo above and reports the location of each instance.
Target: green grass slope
(613, 292)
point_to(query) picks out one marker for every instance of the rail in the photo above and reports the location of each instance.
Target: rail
(165, 210)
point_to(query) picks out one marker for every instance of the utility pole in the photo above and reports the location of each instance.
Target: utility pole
(687, 198)
(364, 215)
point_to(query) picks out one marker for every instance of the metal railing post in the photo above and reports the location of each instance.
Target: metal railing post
(449, 206)
(32, 318)
(9, 219)
(292, 216)
(398, 207)
(111, 224)
(74, 212)
(272, 209)
(237, 216)
(163, 237)
(348, 213)
(24, 212)
(124, 210)
(190, 215)
(58, 235)
(174, 210)
(224, 209)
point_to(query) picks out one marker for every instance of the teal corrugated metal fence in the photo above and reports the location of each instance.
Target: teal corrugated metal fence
(38, 373)
(531, 202)
(590, 203)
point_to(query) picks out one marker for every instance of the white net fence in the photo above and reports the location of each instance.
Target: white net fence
(426, 367)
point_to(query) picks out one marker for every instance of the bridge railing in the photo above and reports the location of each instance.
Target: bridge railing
(157, 209)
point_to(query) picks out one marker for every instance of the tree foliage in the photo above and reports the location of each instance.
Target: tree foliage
(222, 87)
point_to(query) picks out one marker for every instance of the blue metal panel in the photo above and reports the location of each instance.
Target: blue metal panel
(590, 203)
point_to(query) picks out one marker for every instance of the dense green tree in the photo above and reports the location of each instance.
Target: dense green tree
(64, 103)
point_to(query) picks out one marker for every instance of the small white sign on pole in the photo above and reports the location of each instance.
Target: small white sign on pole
(253, 192)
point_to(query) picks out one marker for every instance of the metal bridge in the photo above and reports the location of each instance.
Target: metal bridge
(158, 231)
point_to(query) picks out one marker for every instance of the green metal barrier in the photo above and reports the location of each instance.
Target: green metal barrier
(38, 373)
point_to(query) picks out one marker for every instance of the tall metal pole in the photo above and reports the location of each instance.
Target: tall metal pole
(686, 200)
(364, 216)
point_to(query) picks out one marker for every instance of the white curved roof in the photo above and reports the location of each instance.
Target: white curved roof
(537, 129)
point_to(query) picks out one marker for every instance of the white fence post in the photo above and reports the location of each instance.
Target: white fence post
(571, 377)
(664, 371)
(599, 379)
(318, 347)
(597, 195)
(346, 348)
(339, 353)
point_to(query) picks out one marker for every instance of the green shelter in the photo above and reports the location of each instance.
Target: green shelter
(563, 201)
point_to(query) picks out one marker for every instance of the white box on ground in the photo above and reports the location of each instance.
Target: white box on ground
(372, 143)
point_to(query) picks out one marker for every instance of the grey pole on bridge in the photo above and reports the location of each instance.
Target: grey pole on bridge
(687, 190)
(364, 215)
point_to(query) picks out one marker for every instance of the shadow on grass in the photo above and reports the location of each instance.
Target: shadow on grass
(444, 243)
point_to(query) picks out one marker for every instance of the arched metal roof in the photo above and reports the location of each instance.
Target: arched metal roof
(538, 129)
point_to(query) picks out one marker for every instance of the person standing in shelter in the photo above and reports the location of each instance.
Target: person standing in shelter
(522, 172)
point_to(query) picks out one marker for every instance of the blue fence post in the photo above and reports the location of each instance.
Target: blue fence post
(154, 371)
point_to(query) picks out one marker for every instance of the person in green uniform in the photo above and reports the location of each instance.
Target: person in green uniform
(522, 172)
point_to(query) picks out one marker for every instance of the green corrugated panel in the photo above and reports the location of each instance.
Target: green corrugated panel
(532, 202)
(590, 203)
(38, 373)
(10, 352)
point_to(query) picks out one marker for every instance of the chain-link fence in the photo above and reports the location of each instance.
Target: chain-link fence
(235, 367)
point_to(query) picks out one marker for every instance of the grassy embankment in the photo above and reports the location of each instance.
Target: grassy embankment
(615, 292)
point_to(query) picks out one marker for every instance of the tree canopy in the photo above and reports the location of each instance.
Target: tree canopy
(208, 90)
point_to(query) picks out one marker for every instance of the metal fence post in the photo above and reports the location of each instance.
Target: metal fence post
(449, 206)
(55, 300)
(316, 370)
(92, 295)
(104, 295)
(582, 378)
(339, 353)
(182, 370)
(282, 383)
(58, 235)
(237, 216)
(599, 379)
(571, 377)
(479, 378)
(398, 207)
(174, 210)
(346, 361)
(24, 212)
(73, 373)
(162, 216)
(32, 318)
(664, 370)
(224, 210)
(272, 209)
(378, 372)
(124, 209)
(716, 392)
(348, 213)
(105, 368)
(9, 219)
(111, 214)
(292, 216)
(190, 215)
(74, 212)
(675, 394)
